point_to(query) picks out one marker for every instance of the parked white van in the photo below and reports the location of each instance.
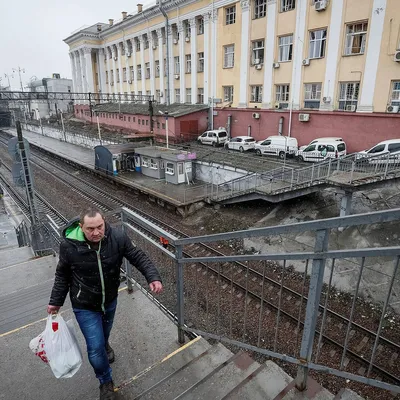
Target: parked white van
(320, 151)
(391, 146)
(324, 139)
(277, 146)
(216, 137)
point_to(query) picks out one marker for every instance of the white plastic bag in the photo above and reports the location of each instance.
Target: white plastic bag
(57, 346)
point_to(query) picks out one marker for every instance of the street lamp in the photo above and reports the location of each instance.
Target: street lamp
(165, 114)
(40, 120)
(98, 126)
(19, 69)
(62, 124)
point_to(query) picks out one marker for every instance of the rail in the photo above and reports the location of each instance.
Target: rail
(302, 329)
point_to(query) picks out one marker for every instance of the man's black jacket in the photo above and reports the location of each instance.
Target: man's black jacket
(92, 277)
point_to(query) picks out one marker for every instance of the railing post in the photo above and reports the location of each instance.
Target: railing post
(329, 167)
(353, 164)
(314, 295)
(386, 166)
(312, 174)
(127, 265)
(179, 292)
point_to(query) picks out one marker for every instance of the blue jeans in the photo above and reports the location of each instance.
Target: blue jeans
(96, 327)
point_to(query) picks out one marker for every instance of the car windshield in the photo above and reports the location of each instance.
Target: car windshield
(222, 134)
(266, 142)
(377, 149)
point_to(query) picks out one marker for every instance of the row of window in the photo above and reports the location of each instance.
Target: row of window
(348, 95)
(169, 167)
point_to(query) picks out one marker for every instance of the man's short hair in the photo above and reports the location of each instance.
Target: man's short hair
(89, 212)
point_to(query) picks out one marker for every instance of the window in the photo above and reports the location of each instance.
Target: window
(139, 72)
(140, 93)
(228, 93)
(229, 56)
(394, 147)
(287, 5)
(348, 96)
(145, 162)
(200, 26)
(256, 94)
(124, 74)
(169, 168)
(117, 73)
(157, 72)
(147, 70)
(317, 44)
(107, 77)
(146, 41)
(260, 8)
(200, 63)
(282, 93)
(158, 125)
(177, 65)
(312, 95)
(188, 95)
(139, 121)
(126, 98)
(258, 52)
(200, 95)
(285, 48)
(112, 76)
(129, 119)
(158, 96)
(131, 73)
(147, 122)
(187, 29)
(165, 67)
(356, 37)
(395, 95)
(153, 163)
(230, 15)
(188, 63)
(137, 44)
(163, 126)
(177, 95)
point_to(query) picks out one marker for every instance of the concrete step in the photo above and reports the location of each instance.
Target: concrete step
(348, 394)
(15, 256)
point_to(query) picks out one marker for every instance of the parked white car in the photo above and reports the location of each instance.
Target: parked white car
(321, 151)
(241, 143)
(391, 146)
(277, 146)
(216, 137)
(324, 139)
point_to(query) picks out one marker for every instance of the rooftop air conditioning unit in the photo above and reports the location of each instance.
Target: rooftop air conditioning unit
(277, 106)
(176, 76)
(306, 61)
(326, 99)
(128, 54)
(393, 109)
(257, 61)
(397, 56)
(187, 39)
(351, 108)
(258, 66)
(175, 41)
(304, 117)
(321, 5)
(256, 115)
(276, 65)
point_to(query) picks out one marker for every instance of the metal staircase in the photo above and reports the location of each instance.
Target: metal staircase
(283, 183)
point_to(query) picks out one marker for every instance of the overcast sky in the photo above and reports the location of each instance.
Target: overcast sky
(32, 33)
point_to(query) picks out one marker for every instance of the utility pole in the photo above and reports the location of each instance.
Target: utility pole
(63, 127)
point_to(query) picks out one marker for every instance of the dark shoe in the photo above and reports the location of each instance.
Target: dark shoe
(107, 391)
(110, 353)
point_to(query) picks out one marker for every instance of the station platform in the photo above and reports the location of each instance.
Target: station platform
(176, 195)
(150, 364)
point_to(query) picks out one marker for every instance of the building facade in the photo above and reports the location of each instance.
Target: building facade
(254, 60)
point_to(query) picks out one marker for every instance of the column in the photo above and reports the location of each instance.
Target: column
(102, 72)
(128, 72)
(193, 51)
(141, 40)
(161, 61)
(121, 79)
(269, 52)
(182, 82)
(78, 72)
(372, 60)
(107, 55)
(114, 56)
(298, 42)
(134, 61)
(73, 72)
(170, 58)
(334, 44)
(244, 53)
(214, 19)
(206, 19)
(152, 74)
(89, 69)
(83, 71)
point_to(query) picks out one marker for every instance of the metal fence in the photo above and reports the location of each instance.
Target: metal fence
(259, 302)
(351, 170)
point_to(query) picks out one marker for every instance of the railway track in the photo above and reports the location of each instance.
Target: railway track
(248, 280)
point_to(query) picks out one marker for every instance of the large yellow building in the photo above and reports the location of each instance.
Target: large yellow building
(313, 54)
